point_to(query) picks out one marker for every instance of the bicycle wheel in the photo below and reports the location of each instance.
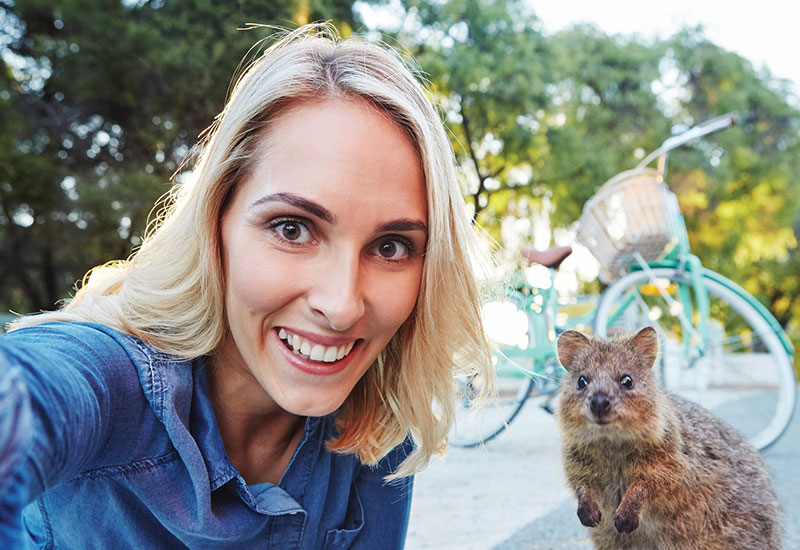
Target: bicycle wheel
(743, 375)
(477, 423)
(516, 375)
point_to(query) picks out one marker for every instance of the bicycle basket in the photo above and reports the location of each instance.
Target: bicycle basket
(632, 212)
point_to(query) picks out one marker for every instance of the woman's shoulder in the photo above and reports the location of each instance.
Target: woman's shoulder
(73, 350)
(63, 338)
(65, 333)
(97, 352)
(80, 338)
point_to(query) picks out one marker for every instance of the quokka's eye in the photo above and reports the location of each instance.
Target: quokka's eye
(582, 382)
(626, 382)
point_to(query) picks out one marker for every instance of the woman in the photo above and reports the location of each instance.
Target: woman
(276, 361)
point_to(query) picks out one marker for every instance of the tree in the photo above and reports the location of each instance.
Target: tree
(539, 122)
(739, 187)
(490, 65)
(101, 102)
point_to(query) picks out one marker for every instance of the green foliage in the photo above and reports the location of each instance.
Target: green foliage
(490, 64)
(539, 122)
(101, 102)
(542, 116)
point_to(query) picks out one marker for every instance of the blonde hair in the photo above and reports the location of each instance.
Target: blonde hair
(170, 293)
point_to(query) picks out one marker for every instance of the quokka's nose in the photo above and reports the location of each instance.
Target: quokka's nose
(600, 404)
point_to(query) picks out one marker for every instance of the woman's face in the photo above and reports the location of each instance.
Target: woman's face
(322, 249)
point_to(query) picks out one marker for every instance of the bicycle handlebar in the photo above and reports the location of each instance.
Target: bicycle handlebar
(704, 128)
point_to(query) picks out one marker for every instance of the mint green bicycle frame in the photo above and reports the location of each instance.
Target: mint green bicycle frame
(541, 309)
(538, 360)
(682, 259)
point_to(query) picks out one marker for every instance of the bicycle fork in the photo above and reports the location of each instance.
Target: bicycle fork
(693, 303)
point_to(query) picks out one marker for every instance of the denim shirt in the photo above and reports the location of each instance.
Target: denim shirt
(115, 445)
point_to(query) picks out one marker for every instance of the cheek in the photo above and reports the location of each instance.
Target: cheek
(247, 281)
(254, 281)
(637, 410)
(395, 297)
(570, 411)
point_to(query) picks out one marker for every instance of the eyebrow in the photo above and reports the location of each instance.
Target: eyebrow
(295, 200)
(403, 224)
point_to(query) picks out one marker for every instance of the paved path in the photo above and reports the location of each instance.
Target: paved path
(511, 494)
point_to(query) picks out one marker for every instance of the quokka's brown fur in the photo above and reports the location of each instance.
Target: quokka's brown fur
(652, 470)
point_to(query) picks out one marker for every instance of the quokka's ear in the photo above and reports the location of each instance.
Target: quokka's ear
(645, 343)
(570, 343)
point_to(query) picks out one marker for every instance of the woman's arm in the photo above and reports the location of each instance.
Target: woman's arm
(15, 431)
(56, 386)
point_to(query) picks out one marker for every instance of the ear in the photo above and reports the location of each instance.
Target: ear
(645, 343)
(570, 343)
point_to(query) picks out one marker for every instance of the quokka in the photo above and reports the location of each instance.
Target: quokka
(652, 470)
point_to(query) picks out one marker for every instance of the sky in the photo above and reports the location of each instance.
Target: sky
(766, 32)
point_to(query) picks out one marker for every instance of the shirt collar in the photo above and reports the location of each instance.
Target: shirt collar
(178, 392)
(206, 431)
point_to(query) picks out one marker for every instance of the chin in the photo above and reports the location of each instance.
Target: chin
(317, 407)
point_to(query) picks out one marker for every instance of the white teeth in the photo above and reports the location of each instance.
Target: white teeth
(317, 353)
(314, 352)
(330, 355)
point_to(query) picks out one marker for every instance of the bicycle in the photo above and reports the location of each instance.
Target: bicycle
(720, 346)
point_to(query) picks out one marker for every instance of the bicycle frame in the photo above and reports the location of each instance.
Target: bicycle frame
(541, 308)
(686, 290)
(680, 257)
(681, 253)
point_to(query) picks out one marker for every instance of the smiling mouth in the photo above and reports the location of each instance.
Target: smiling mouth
(311, 351)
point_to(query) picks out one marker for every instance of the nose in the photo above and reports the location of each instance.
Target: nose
(600, 404)
(337, 293)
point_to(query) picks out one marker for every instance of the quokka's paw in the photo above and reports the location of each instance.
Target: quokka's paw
(625, 522)
(589, 513)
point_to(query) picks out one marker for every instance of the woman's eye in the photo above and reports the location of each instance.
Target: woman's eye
(626, 382)
(582, 382)
(392, 250)
(292, 231)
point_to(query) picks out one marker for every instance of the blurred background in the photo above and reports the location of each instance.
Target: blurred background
(102, 100)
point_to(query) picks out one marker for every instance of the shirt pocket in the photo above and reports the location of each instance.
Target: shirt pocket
(343, 537)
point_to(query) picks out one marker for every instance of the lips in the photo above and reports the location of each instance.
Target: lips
(314, 351)
(285, 339)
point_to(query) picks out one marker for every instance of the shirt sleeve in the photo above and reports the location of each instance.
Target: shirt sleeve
(386, 504)
(62, 377)
(15, 430)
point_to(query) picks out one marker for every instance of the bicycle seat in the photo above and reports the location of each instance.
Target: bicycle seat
(552, 257)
